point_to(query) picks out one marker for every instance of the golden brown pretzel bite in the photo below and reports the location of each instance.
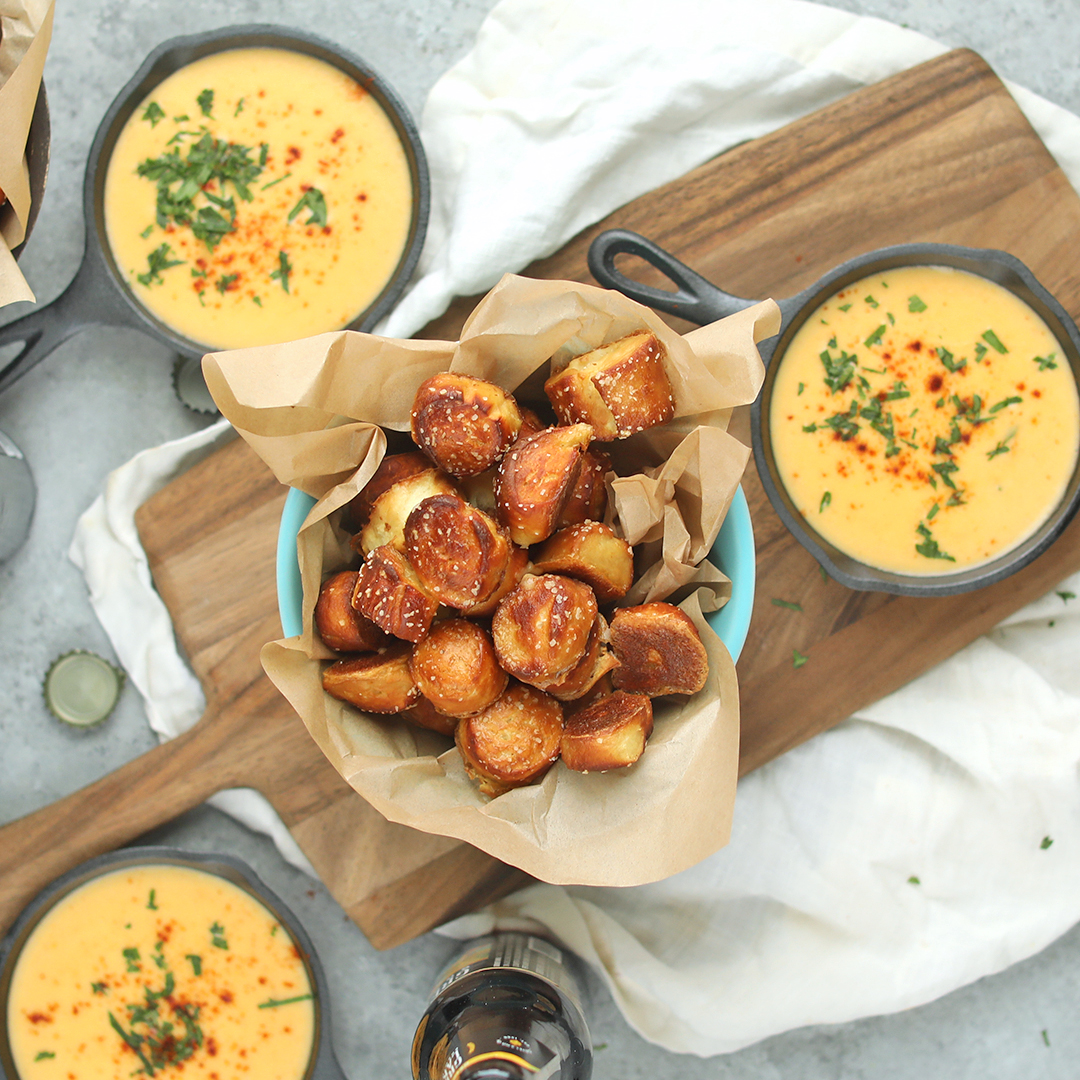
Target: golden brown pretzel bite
(589, 670)
(542, 628)
(378, 682)
(515, 571)
(591, 553)
(465, 425)
(514, 741)
(535, 480)
(620, 388)
(659, 650)
(457, 551)
(588, 497)
(389, 593)
(386, 523)
(338, 623)
(392, 468)
(424, 714)
(608, 734)
(456, 669)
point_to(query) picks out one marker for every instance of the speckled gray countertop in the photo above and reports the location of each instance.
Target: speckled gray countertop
(106, 394)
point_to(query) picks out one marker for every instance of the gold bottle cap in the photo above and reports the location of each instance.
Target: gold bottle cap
(81, 688)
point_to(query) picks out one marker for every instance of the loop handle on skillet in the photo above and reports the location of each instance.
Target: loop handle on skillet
(695, 299)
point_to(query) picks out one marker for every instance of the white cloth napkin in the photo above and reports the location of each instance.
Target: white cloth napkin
(931, 840)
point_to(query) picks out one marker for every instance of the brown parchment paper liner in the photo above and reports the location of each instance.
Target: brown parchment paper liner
(25, 32)
(314, 410)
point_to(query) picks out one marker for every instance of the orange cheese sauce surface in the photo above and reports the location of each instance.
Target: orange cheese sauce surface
(925, 420)
(232, 264)
(160, 970)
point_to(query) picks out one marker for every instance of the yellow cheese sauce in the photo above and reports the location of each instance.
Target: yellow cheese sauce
(257, 196)
(925, 420)
(159, 970)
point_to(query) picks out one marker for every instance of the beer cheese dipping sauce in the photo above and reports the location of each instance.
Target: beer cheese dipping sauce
(924, 420)
(160, 970)
(256, 196)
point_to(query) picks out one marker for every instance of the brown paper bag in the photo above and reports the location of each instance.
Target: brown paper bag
(320, 412)
(25, 32)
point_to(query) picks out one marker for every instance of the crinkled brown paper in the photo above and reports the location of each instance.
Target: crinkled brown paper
(314, 411)
(26, 29)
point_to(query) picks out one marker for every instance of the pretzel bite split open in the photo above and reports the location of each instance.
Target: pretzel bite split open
(608, 734)
(620, 388)
(392, 468)
(456, 669)
(378, 682)
(390, 511)
(659, 650)
(589, 670)
(513, 742)
(389, 593)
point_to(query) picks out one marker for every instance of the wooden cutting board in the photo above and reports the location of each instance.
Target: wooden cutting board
(940, 152)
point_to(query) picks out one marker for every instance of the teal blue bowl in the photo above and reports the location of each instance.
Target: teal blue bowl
(733, 553)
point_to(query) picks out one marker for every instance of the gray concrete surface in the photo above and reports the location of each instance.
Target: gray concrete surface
(106, 394)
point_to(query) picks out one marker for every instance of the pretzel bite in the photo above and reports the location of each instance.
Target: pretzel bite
(456, 669)
(464, 425)
(515, 570)
(620, 388)
(378, 682)
(338, 623)
(394, 467)
(457, 551)
(424, 714)
(389, 593)
(542, 628)
(514, 741)
(386, 524)
(609, 734)
(591, 553)
(659, 649)
(589, 670)
(588, 497)
(535, 480)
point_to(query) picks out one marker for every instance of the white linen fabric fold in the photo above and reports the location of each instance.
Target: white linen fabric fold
(927, 842)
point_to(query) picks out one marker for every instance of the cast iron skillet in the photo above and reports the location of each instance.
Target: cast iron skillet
(322, 1066)
(699, 301)
(98, 295)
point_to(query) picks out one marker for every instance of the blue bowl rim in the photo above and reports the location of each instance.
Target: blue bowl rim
(733, 553)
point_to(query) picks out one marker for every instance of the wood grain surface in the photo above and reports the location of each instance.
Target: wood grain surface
(940, 152)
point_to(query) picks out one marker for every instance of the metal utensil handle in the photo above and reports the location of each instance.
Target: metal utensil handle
(695, 299)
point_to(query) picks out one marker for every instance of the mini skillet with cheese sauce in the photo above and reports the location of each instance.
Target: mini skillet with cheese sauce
(698, 300)
(99, 294)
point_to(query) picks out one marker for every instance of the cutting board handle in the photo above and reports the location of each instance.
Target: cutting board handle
(144, 793)
(695, 299)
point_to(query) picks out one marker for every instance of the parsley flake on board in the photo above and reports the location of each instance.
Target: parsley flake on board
(153, 112)
(797, 658)
(914, 304)
(314, 201)
(994, 341)
(913, 880)
(790, 605)
(157, 260)
(824, 574)
(1066, 596)
(205, 101)
(929, 546)
(283, 271)
(1046, 842)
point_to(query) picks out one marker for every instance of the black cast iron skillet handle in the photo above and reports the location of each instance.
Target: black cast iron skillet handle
(696, 299)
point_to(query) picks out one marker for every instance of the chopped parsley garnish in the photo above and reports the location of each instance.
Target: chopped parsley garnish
(825, 500)
(898, 391)
(942, 447)
(239, 107)
(1005, 403)
(929, 546)
(147, 231)
(44, 1055)
(196, 963)
(980, 352)
(1046, 362)
(824, 574)
(809, 428)
(314, 201)
(872, 302)
(205, 101)
(277, 181)
(946, 358)
(132, 957)
(944, 469)
(159, 957)
(915, 304)
(1045, 1037)
(832, 342)
(956, 499)
(843, 424)
(217, 936)
(155, 1040)
(845, 307)
(875, 337)
(889, 316)
(273, 1004)
(157, 260)
(99, 988)
(933, 512)
(283, 271)
(1001, 448)
(222, 284)
(797, 658)
(1046, 842)
(994, 341)
(790, 605)
(257, 301)
(802, 387)
(151, 904)
(153, 112)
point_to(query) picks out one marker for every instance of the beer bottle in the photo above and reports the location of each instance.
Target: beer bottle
(506, 1008)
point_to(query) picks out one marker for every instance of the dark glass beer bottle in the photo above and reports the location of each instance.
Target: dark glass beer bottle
(507, 1008)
